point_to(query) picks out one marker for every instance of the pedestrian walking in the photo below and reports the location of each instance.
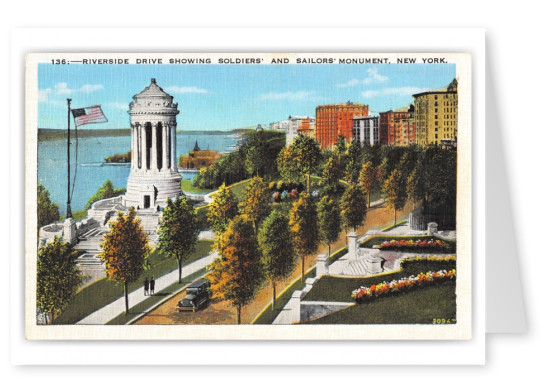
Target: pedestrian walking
(152, 286)
(146, 287)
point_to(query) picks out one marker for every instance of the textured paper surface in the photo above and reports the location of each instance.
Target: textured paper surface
(461, 330)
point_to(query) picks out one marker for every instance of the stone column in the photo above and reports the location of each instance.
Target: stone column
(143, 145)
(352, 246)
(133, 148)
(166, 157)
(173, 164)
(321, 265)
(135, 141)
(153, 160)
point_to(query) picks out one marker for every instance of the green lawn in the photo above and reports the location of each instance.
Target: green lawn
(187, 186)
(268, 315)
(104, 291)
(152, 300)
(421, 306)
(78, 215)
(238, 189)
(330, 288)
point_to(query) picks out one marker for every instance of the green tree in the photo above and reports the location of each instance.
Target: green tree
(304, 227)
(331, 175)
(222, 209)
(47, 211)
(329, 220)
(370, 179)
(256, 154)
(276, 245)
(353, 162)
(257, 202)
(395, 188)
(58, 277)
(340, 149)
(302, 157)
(107, 190)
(124, 249)
(236, 275)
(353, 206)
(178, 230)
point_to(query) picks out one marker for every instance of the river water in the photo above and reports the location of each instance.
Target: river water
(90, 174)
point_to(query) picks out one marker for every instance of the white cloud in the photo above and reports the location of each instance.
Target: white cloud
(186, 90)
(400, 91)
(349, 83)
(88, 88)
(43, 94)
(287, 95)
(62, 89)
(374, 77)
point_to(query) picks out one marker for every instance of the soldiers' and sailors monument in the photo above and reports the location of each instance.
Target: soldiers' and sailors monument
(154, 173)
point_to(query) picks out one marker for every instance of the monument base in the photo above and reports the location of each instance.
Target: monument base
(150, 189)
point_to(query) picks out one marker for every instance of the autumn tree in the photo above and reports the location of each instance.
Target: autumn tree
(124, 249)
(58, 277)
(301, 157)
(222, 209)
(395, 188)
(370, 179)
(47, 211)
(353, 206)
(304, 227)
(178, 230)
(276, 245)
(257, 202)
(236, 275)
(329, 220)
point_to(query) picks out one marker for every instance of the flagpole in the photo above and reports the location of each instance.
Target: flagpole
(69, 214)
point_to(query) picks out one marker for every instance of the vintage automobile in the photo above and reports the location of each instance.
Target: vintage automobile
(197, 296)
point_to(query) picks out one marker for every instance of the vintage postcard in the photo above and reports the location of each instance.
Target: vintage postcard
(248, 196)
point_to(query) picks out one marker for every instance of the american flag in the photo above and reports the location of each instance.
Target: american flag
(89, 115)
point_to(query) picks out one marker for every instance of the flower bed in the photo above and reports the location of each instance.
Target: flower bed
(448, 262)
(420, 244)
(405, 284)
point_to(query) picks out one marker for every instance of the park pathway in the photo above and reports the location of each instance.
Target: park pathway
(112, 310)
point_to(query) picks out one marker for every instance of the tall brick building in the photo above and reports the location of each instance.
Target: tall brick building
(390, 125)
(337, 119)
(436, 116)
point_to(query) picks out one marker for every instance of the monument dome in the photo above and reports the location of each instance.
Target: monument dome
(154, 173)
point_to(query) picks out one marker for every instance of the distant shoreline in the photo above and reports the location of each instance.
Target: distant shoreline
(49, 134)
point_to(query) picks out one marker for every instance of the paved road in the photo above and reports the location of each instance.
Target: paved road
(112, 310)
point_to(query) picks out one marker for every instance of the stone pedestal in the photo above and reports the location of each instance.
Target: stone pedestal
(70, 230)
(322, 265)
(294, 304)
(352, 246)
(373, 264)
(432, 228)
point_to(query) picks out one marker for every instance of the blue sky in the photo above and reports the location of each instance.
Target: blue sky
(223, 97)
